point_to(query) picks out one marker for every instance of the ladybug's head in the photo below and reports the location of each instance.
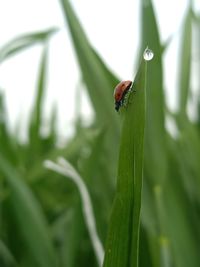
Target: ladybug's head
(117, 105)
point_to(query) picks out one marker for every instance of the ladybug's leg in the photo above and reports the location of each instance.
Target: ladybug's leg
(125, 100)
(132, 89)
(126, 97)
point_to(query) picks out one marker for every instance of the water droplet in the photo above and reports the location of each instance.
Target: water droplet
(148, 54)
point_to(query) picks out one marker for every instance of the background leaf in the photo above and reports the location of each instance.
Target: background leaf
(31, 222)
(20, 43)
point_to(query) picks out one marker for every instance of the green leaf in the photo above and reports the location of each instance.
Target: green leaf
(107, 73)
(29, 217)
(74, 229)
(123, 235)
(185, 62)
(36, 115)
(24, 41)
(156, 168)
(155, 137)
(6, 258)
(100, 82)
(179, 216)
(8, 146)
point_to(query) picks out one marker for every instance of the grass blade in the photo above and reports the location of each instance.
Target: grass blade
(36, 119)
(123, 235)
(155, 135)
(8, 146)
(6, 258)
(65, 168)
(24, 41)
(29, 214)
(185, 62)
(99, 84)
(179, 210)
(155, 128)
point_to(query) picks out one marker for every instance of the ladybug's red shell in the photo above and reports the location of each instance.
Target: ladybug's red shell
(120, 91)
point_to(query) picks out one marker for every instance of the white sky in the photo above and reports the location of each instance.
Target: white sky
(104, 22)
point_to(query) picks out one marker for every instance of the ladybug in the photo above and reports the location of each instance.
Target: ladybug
(120, 92)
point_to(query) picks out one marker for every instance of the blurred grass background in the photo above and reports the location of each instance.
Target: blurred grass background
(41, 220)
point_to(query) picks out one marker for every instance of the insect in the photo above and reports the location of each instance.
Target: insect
(120, 92)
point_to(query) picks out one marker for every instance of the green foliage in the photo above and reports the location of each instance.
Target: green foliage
(29, 218)
(123, 238)
(94, 72)
(41, 220)
(20, 43)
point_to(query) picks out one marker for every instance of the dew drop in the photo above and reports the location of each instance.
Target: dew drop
(148, 54)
